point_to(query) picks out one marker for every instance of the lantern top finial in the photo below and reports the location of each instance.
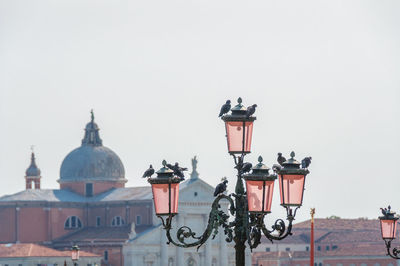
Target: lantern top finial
(260, 159)
(292, 166)
(239, 100)
(164, 163)
(292, 154)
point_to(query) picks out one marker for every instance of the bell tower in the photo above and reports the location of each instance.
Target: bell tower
(32, 174)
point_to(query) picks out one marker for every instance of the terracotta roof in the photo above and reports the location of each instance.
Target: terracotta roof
(33, 250)
(340, 224)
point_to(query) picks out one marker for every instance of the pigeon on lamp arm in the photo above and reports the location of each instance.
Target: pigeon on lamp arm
(281, 159)
(221, 187)
(250, 110)
(225, 108)
(246, 167)
(149, 172)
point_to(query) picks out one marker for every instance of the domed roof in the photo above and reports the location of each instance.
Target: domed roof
(32, 170)
(92, 161)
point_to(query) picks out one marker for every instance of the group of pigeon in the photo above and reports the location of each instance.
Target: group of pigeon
(305, 163)
(178, 171)
(227, 107)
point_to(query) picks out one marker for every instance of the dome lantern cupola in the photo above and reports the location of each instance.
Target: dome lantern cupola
(92, 136)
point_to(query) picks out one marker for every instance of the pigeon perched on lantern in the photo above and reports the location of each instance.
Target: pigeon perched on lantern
(149, 172)
(225, 108)
(178, 171)
(281, 159)
(251, 110)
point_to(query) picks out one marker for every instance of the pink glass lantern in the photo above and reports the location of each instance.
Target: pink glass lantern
(259, 188)
(75, 253)
(239, 129)
(291, 182)
(388, 224)
(165, 189)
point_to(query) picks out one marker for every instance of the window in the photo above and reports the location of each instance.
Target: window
(72, 222)
(195, 194)
(320, 264)
(89, 190)
(327, 248)
(287, 249)
(267, 249)
(105, 255)
(334, 247)
(117, 221)
(170, 262)
(98, 221)
(138, 220)
(319, 248)
(307, 248)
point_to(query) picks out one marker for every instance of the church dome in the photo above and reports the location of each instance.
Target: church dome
(92, 161)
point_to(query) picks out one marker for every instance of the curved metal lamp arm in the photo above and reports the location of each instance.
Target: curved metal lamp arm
(216, 218)
(280, 226)
(256, 225)
(394, 253)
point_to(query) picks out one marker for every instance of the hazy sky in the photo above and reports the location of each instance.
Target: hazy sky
(324, 74)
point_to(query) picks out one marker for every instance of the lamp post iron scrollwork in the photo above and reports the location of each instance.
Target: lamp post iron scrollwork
(248, 207)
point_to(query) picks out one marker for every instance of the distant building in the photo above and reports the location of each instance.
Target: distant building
(95, 210)
(338, 242)
(36, 255)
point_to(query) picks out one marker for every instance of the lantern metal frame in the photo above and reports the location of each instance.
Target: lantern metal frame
(395, 251)
(246, 227)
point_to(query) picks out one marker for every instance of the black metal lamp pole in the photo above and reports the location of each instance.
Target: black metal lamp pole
(249, 207)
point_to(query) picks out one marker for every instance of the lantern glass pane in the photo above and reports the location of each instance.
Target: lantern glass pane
(388, 229)
(161, 198)
(75, 255)
(234, 131)
(255, 193)
(291, 189)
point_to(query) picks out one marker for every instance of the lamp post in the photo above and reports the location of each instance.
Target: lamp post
(248, 207)
(388, 224)
(75, 254)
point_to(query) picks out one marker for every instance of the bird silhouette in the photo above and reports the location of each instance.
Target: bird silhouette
(225, 108)
(178, 171)
(246, 167)
(250, 110)
(384, 211)
(305, 163)
(149, 172)
(281, 159)
(221, 187)
(276, 167)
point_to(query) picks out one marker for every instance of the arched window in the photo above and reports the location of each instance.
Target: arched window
(214, 262)
(72, 222)
(117, 221)
(170, 262)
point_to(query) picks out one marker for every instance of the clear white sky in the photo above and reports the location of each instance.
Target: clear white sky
(325, 76)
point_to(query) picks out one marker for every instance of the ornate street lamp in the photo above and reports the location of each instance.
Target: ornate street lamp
(75, 254)
(388, 223)
(249, 207)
